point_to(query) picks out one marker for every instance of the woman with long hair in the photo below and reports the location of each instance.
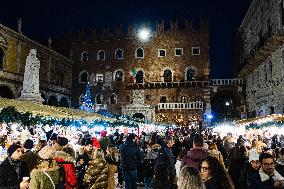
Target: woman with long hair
(214, 175)
(189, 177)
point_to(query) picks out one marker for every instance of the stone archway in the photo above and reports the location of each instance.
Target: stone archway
(139, 116)
(64, 102)
(52, 101)
(6, 92)
(226, 105)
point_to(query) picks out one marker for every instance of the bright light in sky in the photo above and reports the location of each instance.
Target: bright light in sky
(144, 34)
(227, 103)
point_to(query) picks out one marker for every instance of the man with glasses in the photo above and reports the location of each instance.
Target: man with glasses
(13, 171)
(267, 177)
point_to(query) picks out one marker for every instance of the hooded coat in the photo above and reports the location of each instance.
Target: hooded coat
(69, 167)
(39, 178)
(194, 157)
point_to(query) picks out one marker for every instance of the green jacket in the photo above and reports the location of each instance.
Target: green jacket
(39, 180)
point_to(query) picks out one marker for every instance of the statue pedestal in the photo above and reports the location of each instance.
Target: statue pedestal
(35, 97)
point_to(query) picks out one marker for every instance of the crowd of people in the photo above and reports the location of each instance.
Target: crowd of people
(175, 159)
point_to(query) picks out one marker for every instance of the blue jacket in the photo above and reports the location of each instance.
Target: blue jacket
(130, 156)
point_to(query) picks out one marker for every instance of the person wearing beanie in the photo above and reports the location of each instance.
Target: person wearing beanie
(46, 174)
(30, 157)
(251, 167)
(13, 170)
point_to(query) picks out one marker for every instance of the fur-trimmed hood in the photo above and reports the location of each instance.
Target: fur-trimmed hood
(63, 156)
(47, 165)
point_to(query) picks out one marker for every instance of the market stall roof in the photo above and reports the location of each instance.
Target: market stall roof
(53, 111)
(259, 120)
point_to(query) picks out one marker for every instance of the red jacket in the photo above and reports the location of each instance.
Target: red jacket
(68, 163)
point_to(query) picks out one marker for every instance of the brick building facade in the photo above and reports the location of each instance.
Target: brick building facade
(55, 69)
(161, 79)
(260, 57)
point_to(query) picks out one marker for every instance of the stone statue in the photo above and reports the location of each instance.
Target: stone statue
(49, 42)
(31, 78)
(19, 23)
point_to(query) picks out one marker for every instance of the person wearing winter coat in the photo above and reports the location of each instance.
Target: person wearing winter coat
(112, 158)
(190, 178)
(279, 167)
(196, 154)
(46, 174)
(29, 156)
(251, 167)
(149, 162)
(267, 177)
(13, 170)
(68, 162)
(96, 176)
(82, 162)
(130, 159)
(104, 141)
(214, 152)
(164, 171)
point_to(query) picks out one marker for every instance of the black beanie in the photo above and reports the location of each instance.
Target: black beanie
(13, 148)
(62, 141)
(29, 144)
(53, 136)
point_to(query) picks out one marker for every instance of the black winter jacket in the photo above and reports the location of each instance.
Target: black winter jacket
(8, 176)
(130, 156)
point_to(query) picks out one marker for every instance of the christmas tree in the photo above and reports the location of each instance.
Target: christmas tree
(87, 102)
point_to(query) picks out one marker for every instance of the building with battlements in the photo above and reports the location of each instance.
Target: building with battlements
(260, 57)
(55, 69)
(163, 79)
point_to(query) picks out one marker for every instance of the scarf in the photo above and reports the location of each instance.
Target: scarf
(16, 165)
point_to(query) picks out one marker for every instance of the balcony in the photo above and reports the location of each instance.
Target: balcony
(221, 82)
(160, 84)
(181, 106)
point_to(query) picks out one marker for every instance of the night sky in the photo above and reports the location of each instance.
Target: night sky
(53, 18)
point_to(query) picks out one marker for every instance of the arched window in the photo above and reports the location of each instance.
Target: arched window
(163, 99)
(119, 54)
(190, 74)
(1, 59)
(83, 77)
(183, 99)
(118, 76)
(84, 56)
(167, 76)
(139, 53)
(113, 99)
(139, 77)
(101, 55)
(99, 99)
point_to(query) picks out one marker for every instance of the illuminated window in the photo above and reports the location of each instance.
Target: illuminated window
(118, 76)
(113, 99)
